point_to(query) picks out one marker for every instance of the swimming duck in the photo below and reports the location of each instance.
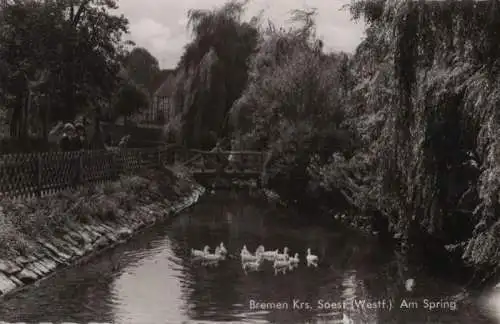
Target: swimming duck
(200, 253)
(311, 258)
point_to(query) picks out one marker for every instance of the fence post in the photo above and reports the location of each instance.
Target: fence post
(117, 164)
(112, 162)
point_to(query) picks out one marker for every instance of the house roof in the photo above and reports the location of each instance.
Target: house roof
(166, 89)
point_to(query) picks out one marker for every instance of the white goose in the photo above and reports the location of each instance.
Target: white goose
(220, 251)
(248, 257)
(295, 259)
(253, 265)
(282, 256)
(244, 251)
(281, 266)
(200, 253)
(212, 257)
(223, 249)
(267, 255)
(312, 260)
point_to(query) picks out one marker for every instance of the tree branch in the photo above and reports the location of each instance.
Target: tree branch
(79, 12)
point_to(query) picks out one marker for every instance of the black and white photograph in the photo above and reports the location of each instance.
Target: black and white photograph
(250, 161)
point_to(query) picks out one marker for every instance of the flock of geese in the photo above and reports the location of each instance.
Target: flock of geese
(282, 262)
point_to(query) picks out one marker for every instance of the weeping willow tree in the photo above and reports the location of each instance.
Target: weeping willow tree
(439, 141)
(213, 70)
(293, 103)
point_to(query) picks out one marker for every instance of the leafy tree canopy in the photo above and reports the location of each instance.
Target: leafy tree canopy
(76, 45)
(143, 68)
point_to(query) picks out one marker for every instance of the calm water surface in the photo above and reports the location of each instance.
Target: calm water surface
(152, 278)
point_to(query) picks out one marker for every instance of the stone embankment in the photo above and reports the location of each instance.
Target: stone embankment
(78, 243)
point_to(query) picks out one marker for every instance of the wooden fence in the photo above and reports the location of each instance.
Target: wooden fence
(39, 174)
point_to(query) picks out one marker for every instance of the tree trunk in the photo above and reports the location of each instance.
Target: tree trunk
(26, 114)
(45, 118)
(68, 113)
(15, 118)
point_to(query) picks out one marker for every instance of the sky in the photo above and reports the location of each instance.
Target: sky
(160, 25)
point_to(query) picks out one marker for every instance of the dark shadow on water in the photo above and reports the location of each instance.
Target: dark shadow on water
(152, 278)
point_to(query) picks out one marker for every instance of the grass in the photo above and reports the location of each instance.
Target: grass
(21, 222)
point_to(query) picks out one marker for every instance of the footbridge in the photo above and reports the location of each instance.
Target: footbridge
(229, 165)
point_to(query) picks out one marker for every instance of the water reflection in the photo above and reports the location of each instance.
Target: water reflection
(149, 299)
(89, 289)
(153, 279)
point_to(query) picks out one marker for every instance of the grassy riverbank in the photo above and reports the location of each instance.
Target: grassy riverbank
(39, 235)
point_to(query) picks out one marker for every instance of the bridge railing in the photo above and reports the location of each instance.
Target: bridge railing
(225, 161)
(37, 174)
